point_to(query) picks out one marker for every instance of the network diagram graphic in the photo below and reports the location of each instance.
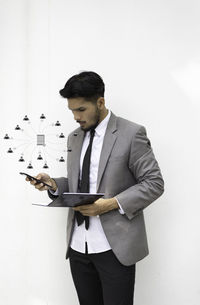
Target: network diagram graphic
(42, 144)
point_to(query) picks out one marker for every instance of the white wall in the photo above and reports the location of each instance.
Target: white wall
(148, 55)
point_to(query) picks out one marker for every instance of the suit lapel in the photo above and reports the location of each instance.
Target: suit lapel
(108, 143)
(77, 142)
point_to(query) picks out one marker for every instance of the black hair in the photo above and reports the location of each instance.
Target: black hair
(87, 84)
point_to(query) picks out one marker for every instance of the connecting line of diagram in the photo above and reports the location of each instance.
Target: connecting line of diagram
(18, 140)
(55, 149)
(35, 132)
(26, 133)
(32, 154)
(61, 159)
(39, 128)
(10, 150)
(52, 157)
(54, 143)
(27, 145)
(45, 127)
(51, 125)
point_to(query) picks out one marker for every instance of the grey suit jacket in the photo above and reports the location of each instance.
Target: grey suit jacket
(128, 171)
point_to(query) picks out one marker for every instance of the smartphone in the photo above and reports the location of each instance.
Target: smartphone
(33, 178)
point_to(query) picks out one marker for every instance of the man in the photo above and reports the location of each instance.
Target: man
(111, 155)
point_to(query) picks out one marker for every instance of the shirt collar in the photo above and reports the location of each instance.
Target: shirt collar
(101, 128)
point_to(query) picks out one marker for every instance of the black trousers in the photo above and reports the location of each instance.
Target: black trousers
(100, 279)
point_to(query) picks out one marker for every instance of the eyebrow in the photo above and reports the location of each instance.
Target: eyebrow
(79, 108)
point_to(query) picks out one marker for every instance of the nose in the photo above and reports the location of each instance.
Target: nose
(76, 116)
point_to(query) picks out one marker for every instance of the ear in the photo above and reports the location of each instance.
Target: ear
(101, 103)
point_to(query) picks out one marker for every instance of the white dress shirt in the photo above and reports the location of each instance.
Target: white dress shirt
(94, 236)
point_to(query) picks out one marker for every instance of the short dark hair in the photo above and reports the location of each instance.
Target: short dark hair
(87, 84)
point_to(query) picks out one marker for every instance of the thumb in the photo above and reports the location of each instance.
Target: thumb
(39, 176)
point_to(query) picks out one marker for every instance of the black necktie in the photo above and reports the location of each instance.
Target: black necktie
(85, 180)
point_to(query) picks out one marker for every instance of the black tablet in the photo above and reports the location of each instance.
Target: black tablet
(73, 199)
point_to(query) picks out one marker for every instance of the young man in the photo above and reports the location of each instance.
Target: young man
(111, 155)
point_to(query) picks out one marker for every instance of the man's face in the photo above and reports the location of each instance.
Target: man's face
(85, 112)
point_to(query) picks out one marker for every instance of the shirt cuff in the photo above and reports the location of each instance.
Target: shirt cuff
(54, 193)
(121, 211)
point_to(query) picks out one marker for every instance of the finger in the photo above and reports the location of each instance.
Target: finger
(41, 176)
(85, 206)
(76, 208)
(39, 185)
(80, 209)
(44, 188)
(87, 212)
(33, 182)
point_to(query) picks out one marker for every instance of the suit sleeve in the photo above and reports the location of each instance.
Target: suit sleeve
(62, 184)
(144, 167)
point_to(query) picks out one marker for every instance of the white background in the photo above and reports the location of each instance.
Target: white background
(148, 53)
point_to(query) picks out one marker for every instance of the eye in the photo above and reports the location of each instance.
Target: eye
(81, 109)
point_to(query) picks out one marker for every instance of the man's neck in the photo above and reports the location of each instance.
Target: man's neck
(104, 114)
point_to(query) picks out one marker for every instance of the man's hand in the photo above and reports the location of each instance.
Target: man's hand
(99, 207)
(40, 186)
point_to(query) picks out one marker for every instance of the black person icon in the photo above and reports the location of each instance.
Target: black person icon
(6, 137)
(61, 159)
(26, 118)
(61, 135)
(21, 159)
(17, 127)
(30, 165)
(42, 116)
(39, 157)
(57, 123)
(10, 150)
(45, 165)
